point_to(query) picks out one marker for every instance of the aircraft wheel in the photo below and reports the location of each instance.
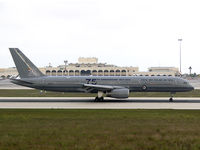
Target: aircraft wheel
(96, 99)
(171, 99)
(101, 98)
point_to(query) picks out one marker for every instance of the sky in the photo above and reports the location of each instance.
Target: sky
(140, 33)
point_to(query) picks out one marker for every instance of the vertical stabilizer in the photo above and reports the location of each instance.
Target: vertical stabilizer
(25, 67)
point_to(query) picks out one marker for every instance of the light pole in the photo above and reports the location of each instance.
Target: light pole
(65, 61)
(190, 68)
(180, 40)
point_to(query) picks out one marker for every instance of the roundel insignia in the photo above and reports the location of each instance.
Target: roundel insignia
(144, 87)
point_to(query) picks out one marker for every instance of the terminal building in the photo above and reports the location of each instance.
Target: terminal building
(91, 67)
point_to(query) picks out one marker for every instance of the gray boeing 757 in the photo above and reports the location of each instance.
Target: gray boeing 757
(111, 86)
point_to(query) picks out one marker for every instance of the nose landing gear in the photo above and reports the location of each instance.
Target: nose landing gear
(171, 97)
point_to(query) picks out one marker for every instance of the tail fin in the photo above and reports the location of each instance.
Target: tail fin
(24, 66)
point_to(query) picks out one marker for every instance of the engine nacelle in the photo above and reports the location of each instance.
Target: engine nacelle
(118, 93)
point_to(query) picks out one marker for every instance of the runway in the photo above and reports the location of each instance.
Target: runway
(88, 103)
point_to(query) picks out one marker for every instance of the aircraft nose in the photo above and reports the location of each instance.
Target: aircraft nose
(191, 87)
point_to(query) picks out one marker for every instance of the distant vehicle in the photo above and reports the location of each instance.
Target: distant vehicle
(110, 86)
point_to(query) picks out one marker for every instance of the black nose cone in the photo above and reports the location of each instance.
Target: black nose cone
(192, 88)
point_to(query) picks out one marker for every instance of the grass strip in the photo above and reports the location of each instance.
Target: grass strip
(39, 129)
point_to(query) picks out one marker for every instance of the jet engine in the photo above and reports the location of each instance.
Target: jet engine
(118, 93)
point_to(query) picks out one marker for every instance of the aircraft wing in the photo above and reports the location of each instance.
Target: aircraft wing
(90, 87)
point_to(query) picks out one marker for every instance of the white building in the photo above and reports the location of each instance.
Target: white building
(91, 66)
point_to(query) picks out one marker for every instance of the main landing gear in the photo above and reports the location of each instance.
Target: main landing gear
(100, 97)
(171, 97)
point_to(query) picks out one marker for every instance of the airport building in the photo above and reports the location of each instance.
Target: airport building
(91, 66)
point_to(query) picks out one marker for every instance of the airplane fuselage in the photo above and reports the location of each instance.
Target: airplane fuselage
(133, 83)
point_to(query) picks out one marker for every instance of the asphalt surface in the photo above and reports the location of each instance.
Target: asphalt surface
(108, 103)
